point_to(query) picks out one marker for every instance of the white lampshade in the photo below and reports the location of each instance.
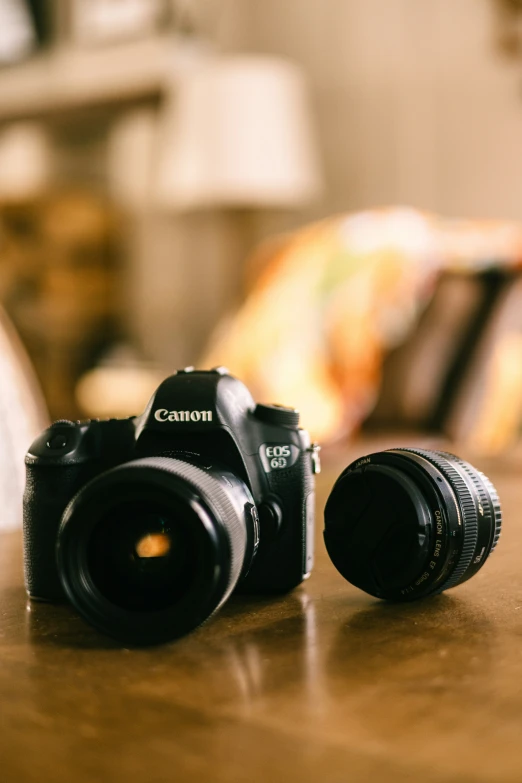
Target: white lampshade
(238, 132)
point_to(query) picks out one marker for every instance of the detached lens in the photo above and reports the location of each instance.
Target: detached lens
(149, 550)
(407, 523)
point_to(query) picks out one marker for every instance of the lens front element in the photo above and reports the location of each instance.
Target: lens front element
(407, 523)
(141, 556)
(149, 550)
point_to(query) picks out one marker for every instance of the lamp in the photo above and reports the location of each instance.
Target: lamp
(237, 132)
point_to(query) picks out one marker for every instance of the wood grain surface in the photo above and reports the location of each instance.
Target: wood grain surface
(325, 684)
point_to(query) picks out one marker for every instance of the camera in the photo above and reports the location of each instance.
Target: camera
(148, 524)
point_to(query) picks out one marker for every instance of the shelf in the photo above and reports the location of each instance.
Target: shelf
(69, 78)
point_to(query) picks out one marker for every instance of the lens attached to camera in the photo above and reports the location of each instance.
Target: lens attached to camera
(149, 550)
(141, 555)
(407, 523)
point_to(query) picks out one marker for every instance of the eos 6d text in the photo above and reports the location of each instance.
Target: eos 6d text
(278, 456)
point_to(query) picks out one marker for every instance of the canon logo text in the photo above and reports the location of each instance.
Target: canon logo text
(162, 414)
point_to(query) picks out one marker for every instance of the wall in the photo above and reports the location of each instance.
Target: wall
(414, 105)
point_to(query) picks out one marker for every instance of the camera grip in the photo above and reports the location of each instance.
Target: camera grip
(286, 559)
(295, 488)
(48, 489)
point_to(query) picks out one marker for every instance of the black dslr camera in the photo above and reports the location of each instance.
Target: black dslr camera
(147, 524)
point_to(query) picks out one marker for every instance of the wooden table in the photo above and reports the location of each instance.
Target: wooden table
(323, 685)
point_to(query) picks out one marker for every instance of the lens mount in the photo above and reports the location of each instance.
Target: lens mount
(147, 551)
(406, 523)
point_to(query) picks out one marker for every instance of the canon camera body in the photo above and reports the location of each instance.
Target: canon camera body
(148, 524)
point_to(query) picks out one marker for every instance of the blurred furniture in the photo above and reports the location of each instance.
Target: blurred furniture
(509, 26)
(460, 371)
(75, 69)
(392, 307)
(59, 282)
(95, 21)
(110, 104)
(17, 33)
(323, 684)
(69, 78)
(22, 417)
(435, 378)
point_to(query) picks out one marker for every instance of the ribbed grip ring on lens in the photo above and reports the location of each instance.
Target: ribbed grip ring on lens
(216, 497)
(467, 508)
(497, 509)
(487, 492)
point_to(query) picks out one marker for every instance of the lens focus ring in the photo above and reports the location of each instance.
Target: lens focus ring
(487, 492)
(468, 510)
(488, 507)
(497, 509)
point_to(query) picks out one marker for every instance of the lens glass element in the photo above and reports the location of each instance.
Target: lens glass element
(141, 556)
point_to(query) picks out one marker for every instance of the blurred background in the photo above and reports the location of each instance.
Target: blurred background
(323, 195)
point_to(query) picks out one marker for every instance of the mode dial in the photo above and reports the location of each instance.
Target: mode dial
(278, 415)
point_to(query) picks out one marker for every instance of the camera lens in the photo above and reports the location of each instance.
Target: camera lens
(141, 556)
(407, 523)
(149, 550)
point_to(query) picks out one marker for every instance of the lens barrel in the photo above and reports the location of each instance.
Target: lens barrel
(147, 551)
(407, 523)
